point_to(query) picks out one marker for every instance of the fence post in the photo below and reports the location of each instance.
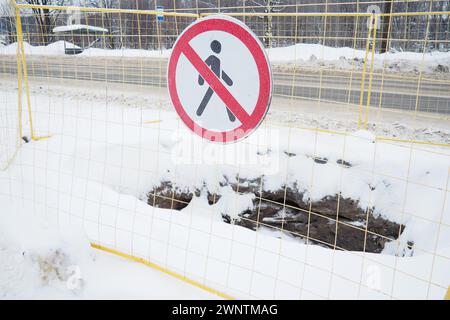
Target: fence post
(363, 77)
(386, 26)
(372, 62)
(22, 65)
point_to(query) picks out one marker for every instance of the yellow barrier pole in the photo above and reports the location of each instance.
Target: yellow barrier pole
(447, 296)
(24, 70)
(25, 73)
(289, 14)
(427, 143)
(414, 14)
(372, 62)
(388, 43)
(164, 270)
(19, 104)
(363, 77)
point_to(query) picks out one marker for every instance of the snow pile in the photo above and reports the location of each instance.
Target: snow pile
(53, 49)
(75, 27)
(39, 260)
(231, 204)
(30, 267)
(306, 52)
(348, 58)
(57, 49)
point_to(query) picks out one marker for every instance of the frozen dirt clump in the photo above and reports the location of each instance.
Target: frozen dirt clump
(55, 269)
(53, 266)
(169, 197)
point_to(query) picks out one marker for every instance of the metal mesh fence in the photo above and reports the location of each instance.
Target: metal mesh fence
(106, 145)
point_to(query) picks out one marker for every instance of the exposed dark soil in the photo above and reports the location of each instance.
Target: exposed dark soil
(334, 221)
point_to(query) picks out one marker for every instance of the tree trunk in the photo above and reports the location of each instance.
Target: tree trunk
(386, 26)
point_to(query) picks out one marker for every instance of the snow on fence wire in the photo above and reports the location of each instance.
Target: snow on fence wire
(343, 192)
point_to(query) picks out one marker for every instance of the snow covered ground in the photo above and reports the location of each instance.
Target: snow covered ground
(40, 261)
(106, 151)
(312, 55)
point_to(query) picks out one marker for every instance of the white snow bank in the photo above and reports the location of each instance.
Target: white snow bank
(317, 51)
(316, 55)
(77, 27)
(57, 49)
(236, 260)
(301, 54)
(39, 260)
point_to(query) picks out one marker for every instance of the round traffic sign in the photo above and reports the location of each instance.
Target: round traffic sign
(219, 79)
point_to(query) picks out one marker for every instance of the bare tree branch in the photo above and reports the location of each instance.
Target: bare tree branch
(7, 20)
(45, 18)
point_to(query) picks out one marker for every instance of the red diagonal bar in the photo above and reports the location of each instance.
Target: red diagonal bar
(215, 84)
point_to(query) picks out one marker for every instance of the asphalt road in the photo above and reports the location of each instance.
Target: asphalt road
(395, 91)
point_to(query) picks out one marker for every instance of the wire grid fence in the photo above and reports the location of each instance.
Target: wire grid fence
(359, 93)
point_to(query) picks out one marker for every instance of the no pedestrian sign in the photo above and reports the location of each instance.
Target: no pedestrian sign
(219, 79)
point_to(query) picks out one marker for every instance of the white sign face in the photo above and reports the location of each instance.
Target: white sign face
(219, 79)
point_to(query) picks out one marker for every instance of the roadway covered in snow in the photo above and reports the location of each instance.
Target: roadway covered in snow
(302, 71)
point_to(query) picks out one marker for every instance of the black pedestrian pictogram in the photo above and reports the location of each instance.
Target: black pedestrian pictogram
(214, 62)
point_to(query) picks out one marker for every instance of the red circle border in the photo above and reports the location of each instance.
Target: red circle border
(265, 85)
